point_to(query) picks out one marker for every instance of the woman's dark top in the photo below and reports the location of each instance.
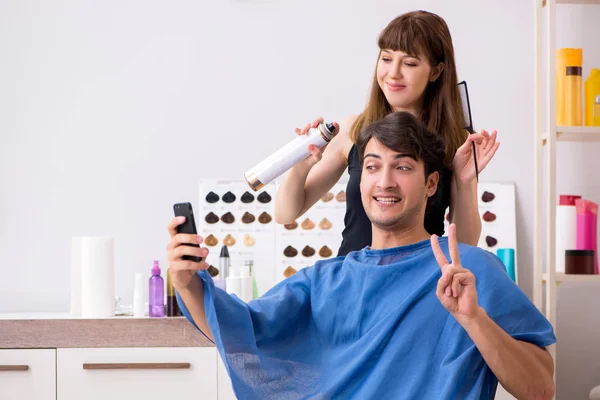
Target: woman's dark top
(357, 230)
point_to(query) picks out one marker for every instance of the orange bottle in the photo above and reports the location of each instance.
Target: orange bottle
(573, 109)
(564, 58)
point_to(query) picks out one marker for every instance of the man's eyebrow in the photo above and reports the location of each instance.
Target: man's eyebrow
(396, 157)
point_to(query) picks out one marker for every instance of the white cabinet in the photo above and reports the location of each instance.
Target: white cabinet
(136, 373)
(225, 388)
(28, 374)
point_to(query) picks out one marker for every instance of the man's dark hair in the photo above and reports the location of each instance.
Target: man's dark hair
(403, 133)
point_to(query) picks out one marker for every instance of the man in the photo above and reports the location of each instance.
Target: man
(396, 320)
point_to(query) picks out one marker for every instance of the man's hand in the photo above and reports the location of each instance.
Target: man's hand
(456, 288)
(182, 271)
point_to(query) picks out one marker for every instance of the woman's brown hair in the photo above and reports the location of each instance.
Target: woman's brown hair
(426, 34)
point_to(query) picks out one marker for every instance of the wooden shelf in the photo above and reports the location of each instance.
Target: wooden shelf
(575, 133)
(574, 278)
(573, 2)
(578, 1)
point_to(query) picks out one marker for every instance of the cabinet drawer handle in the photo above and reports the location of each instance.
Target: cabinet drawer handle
(14, 367)
(138, 366)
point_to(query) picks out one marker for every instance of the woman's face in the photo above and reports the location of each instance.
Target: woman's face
(403, 78)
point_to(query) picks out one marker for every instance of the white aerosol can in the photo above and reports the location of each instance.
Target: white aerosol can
(289, 155)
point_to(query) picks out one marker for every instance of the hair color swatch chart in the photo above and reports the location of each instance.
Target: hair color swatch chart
(317, 235)
(231, 214)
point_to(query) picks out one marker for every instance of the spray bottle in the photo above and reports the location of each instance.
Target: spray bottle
(289, 155)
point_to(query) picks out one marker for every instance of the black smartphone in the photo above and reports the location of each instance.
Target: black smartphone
(189, 226)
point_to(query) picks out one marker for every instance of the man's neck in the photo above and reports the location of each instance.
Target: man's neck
(386, 239)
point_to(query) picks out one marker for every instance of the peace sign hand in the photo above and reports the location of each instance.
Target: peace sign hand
(456, 288)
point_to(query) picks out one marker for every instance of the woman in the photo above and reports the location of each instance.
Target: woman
(415, 72)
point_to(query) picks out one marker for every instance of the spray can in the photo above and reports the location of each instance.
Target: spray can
(289, 155)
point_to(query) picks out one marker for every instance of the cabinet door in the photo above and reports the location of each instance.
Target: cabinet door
(137, 373)
(225, 388)
(28, 374)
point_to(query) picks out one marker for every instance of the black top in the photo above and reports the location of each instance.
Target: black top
(357, 230)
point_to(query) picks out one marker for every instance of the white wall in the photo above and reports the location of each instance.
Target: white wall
(111, 112)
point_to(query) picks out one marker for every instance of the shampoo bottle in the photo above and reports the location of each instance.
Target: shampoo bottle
(587, 228)
(566, 229)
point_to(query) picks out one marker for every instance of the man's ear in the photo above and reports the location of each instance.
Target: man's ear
(436, 72)
(432, 183)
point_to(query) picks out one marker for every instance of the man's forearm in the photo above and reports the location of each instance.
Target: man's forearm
(193, 298)
(525, 370)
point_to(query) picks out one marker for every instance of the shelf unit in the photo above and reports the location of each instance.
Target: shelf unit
(559, 278)
(546, 142)
(574, 134)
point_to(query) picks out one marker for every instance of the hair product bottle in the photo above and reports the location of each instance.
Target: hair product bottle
(250, 264)
(566, 228)
(234, 282)
(591, 98)
(245, 283)
(564, 58)
(139, 295)
(156, 293)
(587, 228)
(172, 306)
(596, 112)
(573, 109)
(289, 155)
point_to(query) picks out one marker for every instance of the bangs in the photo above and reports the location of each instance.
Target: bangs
(407, 35)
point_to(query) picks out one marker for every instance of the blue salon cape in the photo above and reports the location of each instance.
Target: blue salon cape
(367, 326)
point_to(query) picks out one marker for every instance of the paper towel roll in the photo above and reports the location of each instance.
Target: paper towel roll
(97, 277)
(76, 277)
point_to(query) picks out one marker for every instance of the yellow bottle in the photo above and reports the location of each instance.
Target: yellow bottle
(591, 89)
(596, 112)
(564, 58)
(573, 111)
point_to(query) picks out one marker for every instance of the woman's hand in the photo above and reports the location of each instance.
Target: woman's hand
(464, 164)
(315, 153)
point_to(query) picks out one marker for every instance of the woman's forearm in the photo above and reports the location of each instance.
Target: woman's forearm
(465, 211)
(290, 197)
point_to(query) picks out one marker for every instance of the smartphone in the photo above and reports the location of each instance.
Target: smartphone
(189, 226)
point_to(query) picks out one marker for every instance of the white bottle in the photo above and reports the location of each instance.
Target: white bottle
(233, 282)
(139, 295)
(246, 283)
(289, 155)
(566, 229)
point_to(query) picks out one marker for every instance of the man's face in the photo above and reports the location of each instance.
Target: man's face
(393, 188)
